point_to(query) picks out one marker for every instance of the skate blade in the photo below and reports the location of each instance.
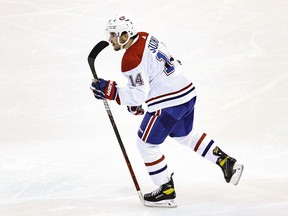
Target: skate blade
(237, 175)
(161, 204)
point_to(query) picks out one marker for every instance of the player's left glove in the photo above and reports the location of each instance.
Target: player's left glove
(136, 110)
(104, 89)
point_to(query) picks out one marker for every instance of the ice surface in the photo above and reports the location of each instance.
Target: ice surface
(58, 152)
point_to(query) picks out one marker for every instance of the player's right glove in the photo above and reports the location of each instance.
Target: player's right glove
(136, 110)
(104, 89)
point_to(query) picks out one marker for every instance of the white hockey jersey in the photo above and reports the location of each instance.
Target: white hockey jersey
(154, 77)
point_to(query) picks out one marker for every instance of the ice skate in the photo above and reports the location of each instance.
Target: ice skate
(231, 169)
(162, 197)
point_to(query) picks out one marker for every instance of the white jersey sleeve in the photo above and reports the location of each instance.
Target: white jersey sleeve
(154, 77)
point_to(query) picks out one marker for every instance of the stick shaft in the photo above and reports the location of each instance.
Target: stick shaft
(91, 60)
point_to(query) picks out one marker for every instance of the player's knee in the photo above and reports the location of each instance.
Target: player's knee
(147, 149)
(187, 140)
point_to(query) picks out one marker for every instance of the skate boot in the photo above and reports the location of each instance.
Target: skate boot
(231, 169)
(162, 197)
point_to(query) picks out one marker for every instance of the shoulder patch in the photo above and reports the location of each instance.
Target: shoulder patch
(133, 56)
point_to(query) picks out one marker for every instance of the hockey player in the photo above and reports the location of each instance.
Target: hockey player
(157, 79)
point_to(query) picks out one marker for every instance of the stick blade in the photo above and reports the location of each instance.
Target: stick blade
(93, 54)
(97, 49)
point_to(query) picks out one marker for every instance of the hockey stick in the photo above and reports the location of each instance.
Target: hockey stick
(91, 60)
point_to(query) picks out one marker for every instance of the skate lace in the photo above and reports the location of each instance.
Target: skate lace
(157, 191)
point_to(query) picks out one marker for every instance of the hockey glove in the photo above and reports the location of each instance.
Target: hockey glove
(136, 110)
(104, 89)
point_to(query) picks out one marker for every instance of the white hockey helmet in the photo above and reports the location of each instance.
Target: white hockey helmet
(120, 24)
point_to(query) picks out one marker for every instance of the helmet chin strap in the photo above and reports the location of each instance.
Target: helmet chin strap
(122, 44)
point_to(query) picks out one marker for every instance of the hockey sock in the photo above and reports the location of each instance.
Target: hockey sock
(200, 143)
(154, 161)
